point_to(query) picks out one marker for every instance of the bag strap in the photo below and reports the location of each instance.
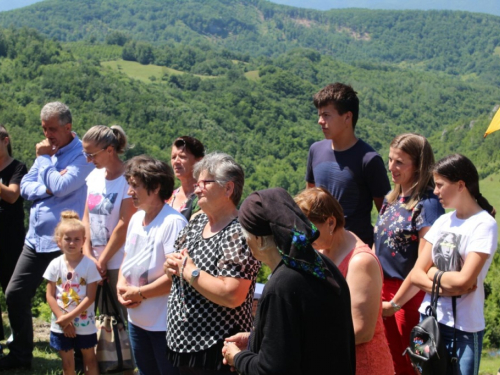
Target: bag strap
(105, 289)
(436, 284)
(114, 309)
(454, 358)
(97, 294)
(437, 281)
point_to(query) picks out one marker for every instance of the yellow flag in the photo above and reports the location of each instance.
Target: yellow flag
(494, 124)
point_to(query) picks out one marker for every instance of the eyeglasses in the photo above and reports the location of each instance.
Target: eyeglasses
(92, 156)
(202, 184)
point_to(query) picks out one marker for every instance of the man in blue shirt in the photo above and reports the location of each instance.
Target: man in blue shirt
(349, 168)
(55, 183)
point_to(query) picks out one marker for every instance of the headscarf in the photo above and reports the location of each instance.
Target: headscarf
(274, 212)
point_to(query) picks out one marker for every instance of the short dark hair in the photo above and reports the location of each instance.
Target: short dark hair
(152, 173)
(193, 145)
(342, 97)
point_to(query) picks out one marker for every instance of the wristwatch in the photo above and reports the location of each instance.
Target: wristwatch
(395, 305)
(194, 275)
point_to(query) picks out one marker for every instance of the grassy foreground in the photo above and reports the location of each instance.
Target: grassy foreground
(47, 362)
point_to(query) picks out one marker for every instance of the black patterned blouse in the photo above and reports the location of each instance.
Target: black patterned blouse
(205, 323)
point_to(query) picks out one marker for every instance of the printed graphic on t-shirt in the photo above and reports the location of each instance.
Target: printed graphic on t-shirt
(100, 207)
(446, 252)
(101, 204)
(136, 266)
(73, 287)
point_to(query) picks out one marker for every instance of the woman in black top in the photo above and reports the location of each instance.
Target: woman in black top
(11, 212)
(303, 324)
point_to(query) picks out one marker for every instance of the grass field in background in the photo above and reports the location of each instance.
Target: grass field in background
(144, 73)
(252, 75)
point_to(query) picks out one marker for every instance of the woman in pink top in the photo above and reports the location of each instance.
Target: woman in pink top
(363, 273)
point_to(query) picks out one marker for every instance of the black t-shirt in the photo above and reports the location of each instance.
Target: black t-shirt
(12, 213)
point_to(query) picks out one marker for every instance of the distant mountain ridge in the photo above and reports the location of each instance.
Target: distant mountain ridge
(458, 43)
(481, 6)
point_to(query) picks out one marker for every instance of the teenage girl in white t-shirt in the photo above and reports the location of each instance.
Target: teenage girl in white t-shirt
(462, 243)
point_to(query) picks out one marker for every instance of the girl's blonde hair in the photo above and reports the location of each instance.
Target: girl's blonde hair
(69, 219)
(419, 150)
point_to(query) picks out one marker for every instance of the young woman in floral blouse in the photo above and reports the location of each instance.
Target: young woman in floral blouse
(407, 213)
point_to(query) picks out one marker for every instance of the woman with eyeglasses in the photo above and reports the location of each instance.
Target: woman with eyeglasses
(213, 272)
(11, 212)
(142, 286)
(186, 152)
(109, 207)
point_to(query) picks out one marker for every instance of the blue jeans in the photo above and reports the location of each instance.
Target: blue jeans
(469, 346)
(149, 350)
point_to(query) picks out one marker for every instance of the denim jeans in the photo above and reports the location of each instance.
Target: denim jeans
(149, 350)
(469, 346)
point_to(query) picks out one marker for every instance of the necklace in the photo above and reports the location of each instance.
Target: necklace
(182, 207)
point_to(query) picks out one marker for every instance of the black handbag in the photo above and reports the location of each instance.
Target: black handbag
(427, 350)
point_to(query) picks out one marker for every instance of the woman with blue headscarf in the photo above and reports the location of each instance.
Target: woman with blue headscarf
(303, 323)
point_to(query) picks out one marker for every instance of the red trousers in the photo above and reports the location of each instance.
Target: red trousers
(399, 326)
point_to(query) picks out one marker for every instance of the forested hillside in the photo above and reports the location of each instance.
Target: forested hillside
(453, 42)
(268, 123)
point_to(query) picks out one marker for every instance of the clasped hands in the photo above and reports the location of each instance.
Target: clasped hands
(173, 264)
(128, 296)
(232, 346)
(66, 323)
